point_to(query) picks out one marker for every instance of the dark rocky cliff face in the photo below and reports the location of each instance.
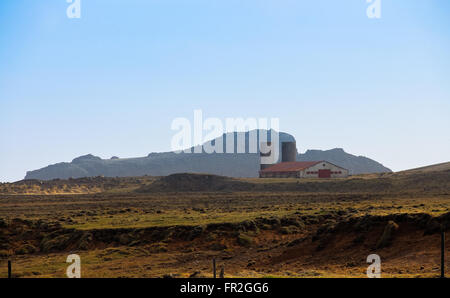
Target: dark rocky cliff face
(166, 163)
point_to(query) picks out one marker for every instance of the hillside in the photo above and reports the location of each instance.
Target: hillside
(408, 182)
(166, 163)
(414, 183)
(174, 225)
(356, 164)
(445, 166)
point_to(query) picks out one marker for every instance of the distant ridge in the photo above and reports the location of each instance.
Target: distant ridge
(167, 163)
(445, 166)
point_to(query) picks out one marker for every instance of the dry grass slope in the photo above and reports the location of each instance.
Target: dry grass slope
(151, 226)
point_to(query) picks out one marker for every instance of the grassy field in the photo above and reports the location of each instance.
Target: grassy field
(151, 227)
(88, 212)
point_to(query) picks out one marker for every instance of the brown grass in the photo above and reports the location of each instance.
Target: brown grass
(257, 228)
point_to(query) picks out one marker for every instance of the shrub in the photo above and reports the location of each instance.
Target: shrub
(4, 253)
(124, 239)
(158, 247)
(266, 227)
(83, 243)
(25, 249)
(288, 230)
(58, 243)
(386, 237)
(244, 240)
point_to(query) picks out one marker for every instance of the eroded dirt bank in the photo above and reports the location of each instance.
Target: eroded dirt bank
(299, 245)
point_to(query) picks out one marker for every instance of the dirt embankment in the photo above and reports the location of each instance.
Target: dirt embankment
(309, 234)
(391, 236)
(195, 182)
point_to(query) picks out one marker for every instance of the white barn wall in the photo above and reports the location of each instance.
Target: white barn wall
(324, 165)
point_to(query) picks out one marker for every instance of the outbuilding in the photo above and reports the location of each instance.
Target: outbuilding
(304, 169)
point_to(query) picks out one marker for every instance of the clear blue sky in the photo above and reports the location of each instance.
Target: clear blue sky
(111, 82)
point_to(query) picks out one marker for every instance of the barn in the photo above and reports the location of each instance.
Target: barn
(304, 169)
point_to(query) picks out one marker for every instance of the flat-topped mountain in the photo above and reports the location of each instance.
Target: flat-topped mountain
(225, 164)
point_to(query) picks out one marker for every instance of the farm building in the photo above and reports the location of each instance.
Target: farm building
(304, 169)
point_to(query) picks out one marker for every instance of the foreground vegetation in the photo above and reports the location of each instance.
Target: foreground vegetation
(174, 226)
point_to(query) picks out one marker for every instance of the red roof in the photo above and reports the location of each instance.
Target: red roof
(293, 166)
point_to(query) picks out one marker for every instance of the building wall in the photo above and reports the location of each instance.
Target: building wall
(280, 175)
(313, 172)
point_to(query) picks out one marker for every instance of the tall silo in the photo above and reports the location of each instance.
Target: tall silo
(265, 147)
(288, 151)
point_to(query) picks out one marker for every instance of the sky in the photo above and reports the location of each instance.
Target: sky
(111, 82)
